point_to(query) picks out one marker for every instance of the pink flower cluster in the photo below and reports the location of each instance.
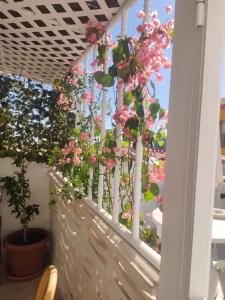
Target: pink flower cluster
(66, 103)
(94, 32)
(72, 79)
(147, 55)
(71, 154)
(123, 115)
(151, 57)
(109, 164)
(157, 174)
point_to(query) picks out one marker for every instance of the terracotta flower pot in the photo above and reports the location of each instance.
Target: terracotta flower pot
(26, 260)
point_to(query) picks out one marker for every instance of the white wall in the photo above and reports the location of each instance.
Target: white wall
(39, 183)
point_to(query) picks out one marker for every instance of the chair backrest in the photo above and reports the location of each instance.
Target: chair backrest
(47, 285)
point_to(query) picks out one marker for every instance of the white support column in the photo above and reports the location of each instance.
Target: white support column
(86, 72)
(191, 152)
(137, 188)
(138, 161)
(93, 96)
(102, 136)
(116, 199)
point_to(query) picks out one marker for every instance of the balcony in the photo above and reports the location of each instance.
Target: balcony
(81, 119)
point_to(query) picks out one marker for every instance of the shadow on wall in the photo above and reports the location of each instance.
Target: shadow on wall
(39, 183)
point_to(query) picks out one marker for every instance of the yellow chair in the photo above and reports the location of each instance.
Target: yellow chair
(47, 285)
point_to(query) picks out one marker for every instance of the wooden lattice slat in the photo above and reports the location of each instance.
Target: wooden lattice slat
(39, 38)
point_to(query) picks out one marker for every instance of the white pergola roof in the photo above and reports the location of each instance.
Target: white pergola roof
(38, 38)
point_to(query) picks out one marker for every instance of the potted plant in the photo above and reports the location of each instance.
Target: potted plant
(25, 248)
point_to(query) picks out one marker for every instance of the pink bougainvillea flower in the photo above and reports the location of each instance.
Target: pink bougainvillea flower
(159, 78)
(140, 14)
(154, 14)
(167, 64)
(126, 215)
(106, 150)
(140, 28)
(93, 158)
(119, 85)
(156, 22)
(73, 105)
(109, 163)
(77, 151)
(62, 100)
(78, 70)
(61, 162)
(98, 120)
(68, 160)
(89, 23)
(116, 149)
(159, 199)
(127, 133)
(149, 123)
(72, 144)
(65, 151)
(122, 116)
(87, 97)
(169, 9)
(84, 136)
(124, 152)
(76, 160)
(157, 174)
(74, 82)
(165, 117)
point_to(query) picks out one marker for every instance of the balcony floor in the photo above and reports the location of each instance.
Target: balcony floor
(24, 290)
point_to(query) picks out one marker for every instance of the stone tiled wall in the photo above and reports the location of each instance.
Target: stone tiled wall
(93, 261)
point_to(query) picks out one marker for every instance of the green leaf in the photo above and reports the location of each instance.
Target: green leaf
(52, 202)
(107, 80)
(102, 52)
(155, 189)
(138, 93)
(113, 71)
(144, 183)
(127, 98)
(132, 123)
(121, 52)
(149, 196)
(140, 111)
(154, 108)
(124, 73)
(161, 112)
(160, 143)
(98, 76)
(127, 206)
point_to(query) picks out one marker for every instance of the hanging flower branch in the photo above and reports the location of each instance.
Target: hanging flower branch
(137, 62)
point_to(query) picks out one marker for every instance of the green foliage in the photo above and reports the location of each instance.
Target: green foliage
(105, 79)
(98, 76)
(17, 187)
(121, 52)
(132, 123)
(31, 122)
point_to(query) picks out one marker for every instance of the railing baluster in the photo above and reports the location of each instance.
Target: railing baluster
(93, 96)
(139, 160)
(86, 59)
(116, 199)
(102, 137)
